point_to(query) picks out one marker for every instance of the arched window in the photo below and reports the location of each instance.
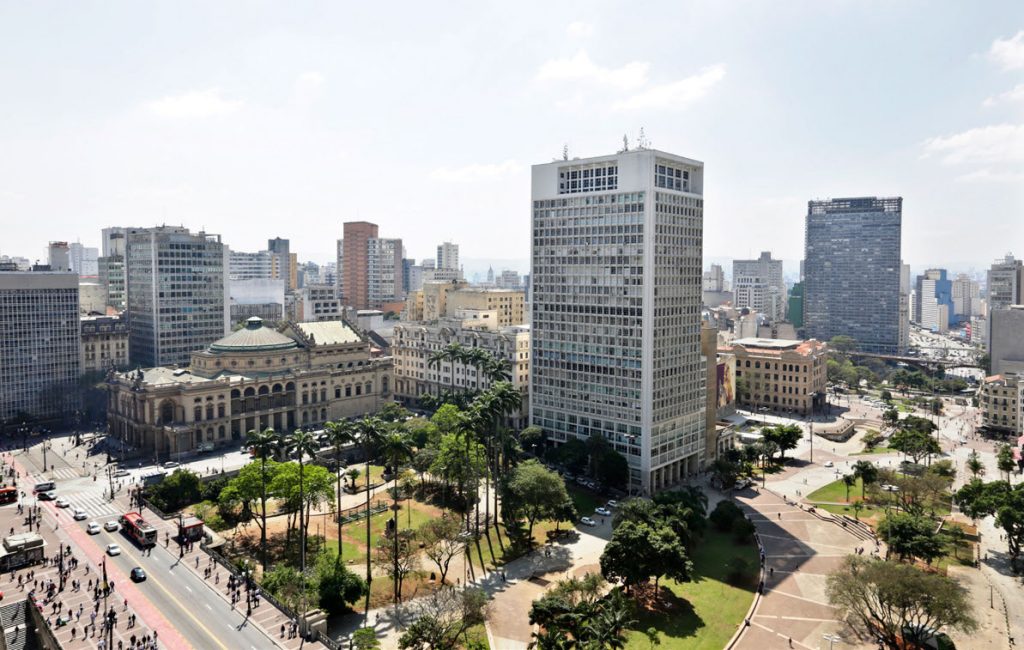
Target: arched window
(220, 432)
(197, 413)
(369, 387)
(384, 385)
(323, 415)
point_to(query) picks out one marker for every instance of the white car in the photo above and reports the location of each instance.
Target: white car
(587, 521)
(111, 526)
(79, 514)
(171, 463)
(113, 549)
(93, 528)
(63, 503)
(121, 472)
(613, 504)
(604, 512)
(829, 463)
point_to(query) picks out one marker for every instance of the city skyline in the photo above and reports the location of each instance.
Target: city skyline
(226, 139)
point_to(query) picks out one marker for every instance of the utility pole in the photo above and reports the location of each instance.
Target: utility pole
(812, 441)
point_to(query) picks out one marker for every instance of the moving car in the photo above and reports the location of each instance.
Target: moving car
(63, 503)
(111, 526)
(829, 463)
(604, 512)
(49, 495)
(79, 514)
(113, 549)
(137, 574)
(171, 463)
(587, 521)
(121, 472)
(613, 504)
(93, 528)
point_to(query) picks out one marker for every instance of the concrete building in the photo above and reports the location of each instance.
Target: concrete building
(178, 300)
(759, 286)
(40, 344)
(59, 256)
(905, 311)
(412, 344)
(933, 308)
(510, 304)
(509, 280)
(92, 297)
(287, 262)
(966, 298)
(104, 343)
(263, 265)
(720, 395)
(616, 308)
(253, 378)
(1000, 400)
(262, 297)
(441, 275)
(977, 330)
(113, 240)
(84, 259)
(369, 268)
(318, 303)
(713, 279)
(1006, 347)
(795, 309)
(780, 375)
(112, 279)
(1005, 287)
(448, 256)
(852, 271)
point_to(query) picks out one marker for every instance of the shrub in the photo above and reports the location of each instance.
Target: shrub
(724, 514)
(743, 530)
(738, 569)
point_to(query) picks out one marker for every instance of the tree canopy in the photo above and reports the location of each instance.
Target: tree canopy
(533, 492)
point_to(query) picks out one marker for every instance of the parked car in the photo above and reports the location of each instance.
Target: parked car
(137, 574)
(587, 521)
(111, 526)
(604, 512)
(79, 514)
(113, 549)
(93, 528)
(613, 504)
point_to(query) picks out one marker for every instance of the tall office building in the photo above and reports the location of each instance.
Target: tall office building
(110, 266)
(287, 262)
(370, 269)
(1005, 287)
(904, 332)
(966, 298)
(1007, 340)
(84, 259)
(59, 256)
(714, 279)
(177, 289)
(758, 285)
(264, 265)
(616, 303)
(852, 271)
(40, 361)
(448, 256)
(934, 307)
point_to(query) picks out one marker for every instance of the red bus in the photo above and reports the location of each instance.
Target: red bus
(136, 527)
(8, 494)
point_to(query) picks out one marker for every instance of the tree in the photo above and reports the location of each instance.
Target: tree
(397, 558)
(289, 586)
(891, 599)
(441, 541)
(914, 443)
(340, 434)
(849, 480)
(396, 448)
(574, 455)
(337, 587)
(843, 344)
(533, 492)
(369, 431)
(445, 617)
(638, 552)
(532, 437)
(302, 443)
(1004, 460)
(866, 471)
(177, 490)
(250, 485)
(974, 464)
(785, 437)
(891, 417)
(910, 535)
(612, 469)
(886, 396)
(263, 444)
(365, 638)
(573, 614)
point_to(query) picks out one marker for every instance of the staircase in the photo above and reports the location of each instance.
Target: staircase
(14, 619)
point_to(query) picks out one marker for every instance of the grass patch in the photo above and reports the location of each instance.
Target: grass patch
(880, 449)
(376, 475)
(585, 500)
(354, 534)
(705, 613)
(477, 634)
(835, 492)
(868, 514)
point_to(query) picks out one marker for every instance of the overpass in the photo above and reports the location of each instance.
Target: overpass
(920, 362)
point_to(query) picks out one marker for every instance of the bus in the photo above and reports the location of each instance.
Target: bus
(136, 527)
(8, 495)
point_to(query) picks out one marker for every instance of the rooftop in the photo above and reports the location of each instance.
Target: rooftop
(778, 344)
(252, 338)
(331, 332)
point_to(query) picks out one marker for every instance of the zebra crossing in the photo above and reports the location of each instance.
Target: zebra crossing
(95, 505)
(59, 473)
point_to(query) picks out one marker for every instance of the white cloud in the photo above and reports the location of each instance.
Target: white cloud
(194, 104)
(475, 172)
(988, 176)
(308, 87)
(579, 30)
(582, 69)
(675, 94)
(996, 144)
(1008, 53)
(1014, 94)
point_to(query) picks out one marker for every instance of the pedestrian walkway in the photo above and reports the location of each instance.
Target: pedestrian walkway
(54, 475)
(95, 505)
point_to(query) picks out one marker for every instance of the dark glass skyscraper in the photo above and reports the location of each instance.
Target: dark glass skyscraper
(852, 271)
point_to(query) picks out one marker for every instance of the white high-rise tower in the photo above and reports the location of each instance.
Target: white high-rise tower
(616, 292)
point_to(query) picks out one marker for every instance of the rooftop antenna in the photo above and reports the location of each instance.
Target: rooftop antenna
(565, 151)
(642, 142)
(625, 143)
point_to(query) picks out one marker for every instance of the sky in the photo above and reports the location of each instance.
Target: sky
(262, 119)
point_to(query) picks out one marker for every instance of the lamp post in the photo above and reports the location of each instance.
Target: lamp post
(832, 639)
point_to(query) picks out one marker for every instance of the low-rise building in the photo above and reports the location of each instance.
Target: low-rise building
(437, 300)
(412, 345)
(780, 375)
(254, 378)
(1001, 400)
(104, 343)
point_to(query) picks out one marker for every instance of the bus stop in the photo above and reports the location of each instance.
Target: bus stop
(190, 529)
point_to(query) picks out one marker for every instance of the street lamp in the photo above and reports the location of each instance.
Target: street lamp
(832, 639)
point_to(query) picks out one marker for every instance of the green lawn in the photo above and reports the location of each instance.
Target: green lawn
(585, 500)
(880, 449)
(867, 512)
(355, 533)
(376, 475)
(836, 492)
(478, 634)
(705, 613)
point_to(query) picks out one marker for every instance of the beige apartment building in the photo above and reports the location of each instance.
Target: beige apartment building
(254, 378)
(1001, 401)
(437, 300)
(412, 345)
(104, 343)
(780, 375)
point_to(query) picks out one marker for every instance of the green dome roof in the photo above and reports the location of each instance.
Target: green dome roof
(254, 337)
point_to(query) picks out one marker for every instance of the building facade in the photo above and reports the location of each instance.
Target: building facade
(616, 309)
(780, 375)
(759, 286)
(104, 343)
(1000, 400)
(253, 266)
(285, 261)
(112, 279)
(177, 294)
(40, 344)
(1006, 346)
(412, 345)
(1005, 287)
(370, 269)
(448, 256)
(966, 298)
(933, 309)
(852, 271)
(253, 378)
(84, 260)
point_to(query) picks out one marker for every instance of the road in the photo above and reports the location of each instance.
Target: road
(187, 603)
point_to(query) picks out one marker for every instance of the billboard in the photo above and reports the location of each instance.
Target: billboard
(726, 380)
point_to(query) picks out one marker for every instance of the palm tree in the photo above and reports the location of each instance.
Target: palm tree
(339, 434)
(369, 431)
(396, 448)
(302, 443)
(849, 480)
(503, 399)
(263, 443)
